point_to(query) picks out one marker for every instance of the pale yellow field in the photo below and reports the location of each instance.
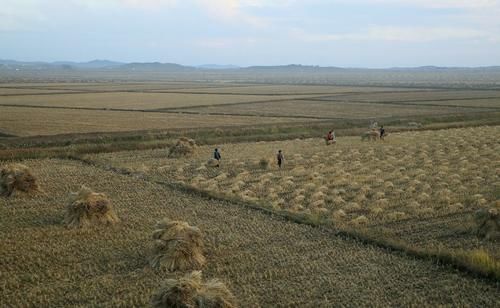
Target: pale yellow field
(431, 180)
(126, 100)
(329, 109)
(11, 91)
(45, 121)
(416, 96)
(111, 86)
(492, 103)
(286, 89)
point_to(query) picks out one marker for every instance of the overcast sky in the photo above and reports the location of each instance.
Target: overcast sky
(348, 33)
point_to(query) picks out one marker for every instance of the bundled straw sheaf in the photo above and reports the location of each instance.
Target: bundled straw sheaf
(488, 223)
(88, 208)
(183, 147)
(191, 291)
(177, 246)
(17, 177)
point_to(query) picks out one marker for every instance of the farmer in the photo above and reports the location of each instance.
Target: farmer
(217, 156)
(382, 132)
(280, 158)
(330, 137)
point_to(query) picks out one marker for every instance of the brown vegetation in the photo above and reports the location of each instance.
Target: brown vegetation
(191, 291)
(17, 177)
(488, 223)
(183, 147)
(177, 246)
(88, 208)
(370, 135)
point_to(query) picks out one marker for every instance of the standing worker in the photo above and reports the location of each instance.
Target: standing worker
(217, 156)
(280, 158)
(382, 132)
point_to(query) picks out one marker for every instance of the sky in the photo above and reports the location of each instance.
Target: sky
(346, 33)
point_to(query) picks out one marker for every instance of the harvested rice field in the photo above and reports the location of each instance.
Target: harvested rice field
(127, 100)
(322, 109)
(263, 259)
(120, 202)
(82, 107)
(286, 89)
(401, 188)
(391, 96)
(23, 121)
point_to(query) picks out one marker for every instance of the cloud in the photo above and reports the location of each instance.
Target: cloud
(18, 15)
(399, 34)
(126, 4)
(436, 4)
(233, 11)
(223, 43)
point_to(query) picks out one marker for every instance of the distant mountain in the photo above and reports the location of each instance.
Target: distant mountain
(12, 65)
(94, 64)
(430, 68)
(155, 66)
(293, 67)
(19, 65)
(218, 67)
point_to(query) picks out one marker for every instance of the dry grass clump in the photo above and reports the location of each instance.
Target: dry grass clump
(88, 208)
(183, 147)
(488, 223)
(178, 246)
(17, 177)
(360, 220)
(339, 215)
(191, 292)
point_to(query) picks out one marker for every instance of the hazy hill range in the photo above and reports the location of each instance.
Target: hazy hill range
(158, 66)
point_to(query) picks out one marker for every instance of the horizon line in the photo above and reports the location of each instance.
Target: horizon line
(236, 66)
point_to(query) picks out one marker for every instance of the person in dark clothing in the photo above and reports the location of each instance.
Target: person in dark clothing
(217, 156)
(382, 132)
(280, 158)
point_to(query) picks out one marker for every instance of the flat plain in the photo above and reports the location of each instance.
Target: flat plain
(87, 105)
(357, 223)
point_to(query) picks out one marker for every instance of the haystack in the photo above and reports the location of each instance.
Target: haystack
(370, 135)
(178, 246)
(183, 147)
(212, 162)
(17, 177)
(191, 291)
(89, 208)
(488, 223)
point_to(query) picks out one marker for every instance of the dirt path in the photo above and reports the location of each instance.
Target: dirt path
(265, 260)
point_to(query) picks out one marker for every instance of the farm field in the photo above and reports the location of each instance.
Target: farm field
(110, 86)
(418, 187)
(409, 96)
(46, 121)
(134, 101)
(473, 103)
(265, 260)
(198, 104)
(358, 223)
(15, 91)
(284, 89)
(333, 109)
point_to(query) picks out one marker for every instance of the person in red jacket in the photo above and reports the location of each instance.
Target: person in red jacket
(330, 138)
